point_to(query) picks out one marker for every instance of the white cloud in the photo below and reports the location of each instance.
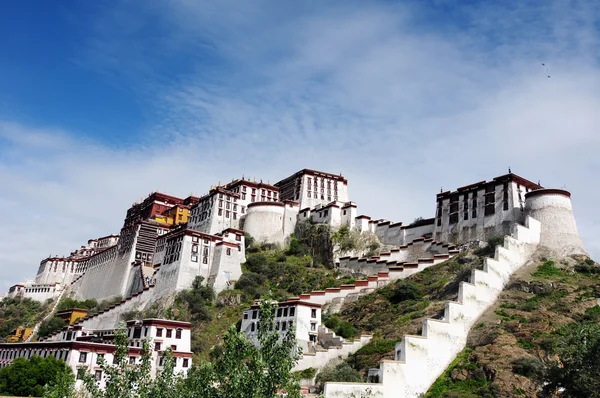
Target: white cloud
(399, 108)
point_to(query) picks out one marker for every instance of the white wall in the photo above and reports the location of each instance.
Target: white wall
(421, 359)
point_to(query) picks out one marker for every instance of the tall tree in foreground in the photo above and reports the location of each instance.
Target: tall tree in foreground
(247, 371)
(577, 371)
(27, 377)
(242, 370)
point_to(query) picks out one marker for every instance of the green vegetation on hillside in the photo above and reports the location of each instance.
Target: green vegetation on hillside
(542, 337)
(16, 312)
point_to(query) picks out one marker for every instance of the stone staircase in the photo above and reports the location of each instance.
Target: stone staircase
(421, 251)
(337, 347)
(48, 316)
(419, 360)
(333, 298)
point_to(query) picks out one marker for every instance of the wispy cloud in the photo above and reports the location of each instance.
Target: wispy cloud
(400, 99)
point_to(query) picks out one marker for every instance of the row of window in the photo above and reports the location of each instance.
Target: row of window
(282, 326)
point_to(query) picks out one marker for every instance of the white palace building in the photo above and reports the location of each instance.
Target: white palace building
(166, 242)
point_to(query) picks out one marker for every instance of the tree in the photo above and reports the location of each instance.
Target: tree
(27, 377)
(244, 370)
(575, 373)
(122, 380)
(50, 326)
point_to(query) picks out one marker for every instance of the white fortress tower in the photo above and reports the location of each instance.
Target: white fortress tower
(271, 222)
(552, 208)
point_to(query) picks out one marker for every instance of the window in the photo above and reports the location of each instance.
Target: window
(313, 313)
(283, 326)
(228, 251)
(173, 347)
(157, 346)
(292, 311)
(99, 358)
(227, 213)
(185, 362)
(220, 212)
(238, 238)
(252, 327)
(285, 312)
(313, 326)
(279, 312)
(178, 334)
(235, 216)
(80, 373)
(98, 375)
(205, 260)
(161, 361)
(254, 314)
(194, 249)
(194, 259)
(132, 360)
(490, 199)
(82, 357)
(245, 315)
(169, 333)
(159, 332)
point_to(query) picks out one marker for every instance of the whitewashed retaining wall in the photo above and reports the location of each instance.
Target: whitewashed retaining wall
(419, 360)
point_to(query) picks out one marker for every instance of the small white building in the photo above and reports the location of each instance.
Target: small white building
(81, 348)
(305, 317)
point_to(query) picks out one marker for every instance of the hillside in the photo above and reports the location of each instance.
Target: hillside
(510, 346)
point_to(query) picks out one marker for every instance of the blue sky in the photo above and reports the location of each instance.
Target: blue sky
(103, 102)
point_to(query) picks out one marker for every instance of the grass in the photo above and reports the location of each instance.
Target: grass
(475, 386)
(547, 269)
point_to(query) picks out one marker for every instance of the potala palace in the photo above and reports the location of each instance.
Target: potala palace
(165, 242)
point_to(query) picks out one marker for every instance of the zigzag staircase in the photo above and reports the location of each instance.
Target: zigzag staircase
(419, 360)
(333, 298)
(418, 254)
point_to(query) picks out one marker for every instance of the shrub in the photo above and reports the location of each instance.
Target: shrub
(592, 314)
(530, 367)
(198, 299)
(68, 303)
(490, 248)
(346, 330)
(405, 291)
(588, 267)
(341, 372)
(308, 373)
(382, 346)
(50, 326)
(256, 262)
(252, 284)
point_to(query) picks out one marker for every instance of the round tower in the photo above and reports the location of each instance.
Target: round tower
(264, 221)
(552, 208)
